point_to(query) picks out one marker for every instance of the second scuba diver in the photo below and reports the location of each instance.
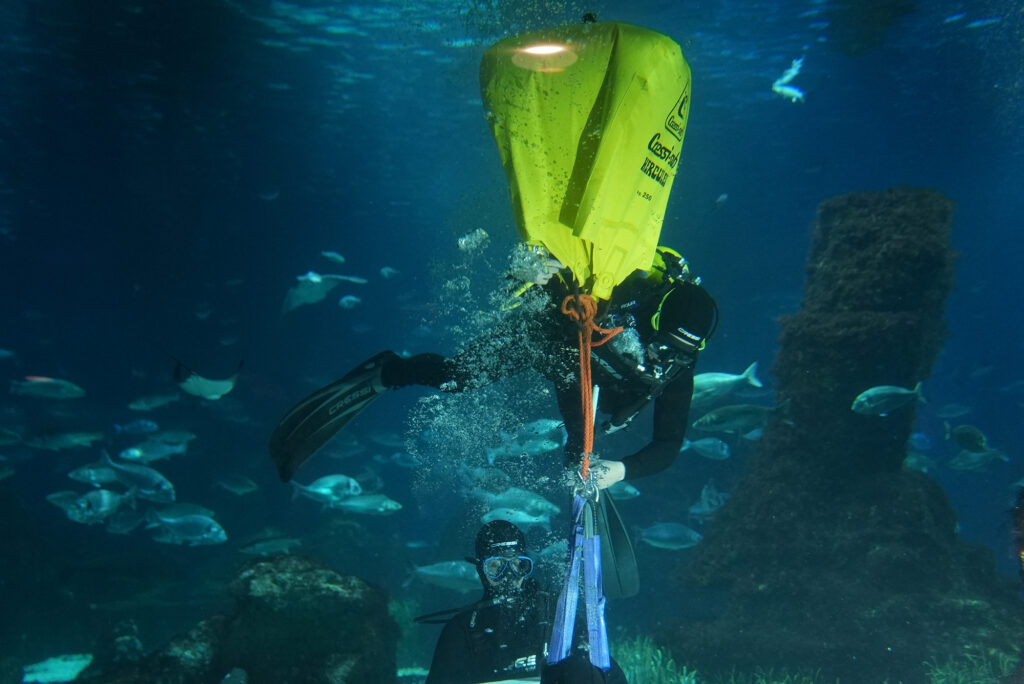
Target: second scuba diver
(505, 635)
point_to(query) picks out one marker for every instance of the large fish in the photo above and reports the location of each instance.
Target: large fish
(737, 419)
(710, 386)
(63, 440)
(47, 388)
(882, 399)
(670, 535)
(456, 575)
(196, 385)
(148, 483)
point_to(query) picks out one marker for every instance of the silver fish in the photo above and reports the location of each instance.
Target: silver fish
(519, 499)
(148, 483)
(96, 506)
(708, 447)
(46, 388)
(270, 547)
(456, 575)
(881, 399)
(670, 535)
(64, 440)
(193, 530)
(738, 419)
(369, 504)
(708, 387)
(153, 402)
(517, 517)
(239, 485)
(96, 474)
(329, 490)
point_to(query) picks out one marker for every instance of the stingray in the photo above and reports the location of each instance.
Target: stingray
(314, 287)
(197, 385)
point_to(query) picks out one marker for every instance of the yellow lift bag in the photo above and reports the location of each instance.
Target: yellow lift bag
(589, 120)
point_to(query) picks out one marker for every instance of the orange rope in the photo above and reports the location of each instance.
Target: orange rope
(582, 309)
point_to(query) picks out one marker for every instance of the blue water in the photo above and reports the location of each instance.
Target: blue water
(165, 174)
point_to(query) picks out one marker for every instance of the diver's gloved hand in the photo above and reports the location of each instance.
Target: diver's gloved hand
(606, 473)
(603, 473)
(533, 264)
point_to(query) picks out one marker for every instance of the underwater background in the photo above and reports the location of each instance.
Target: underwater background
(167, 170)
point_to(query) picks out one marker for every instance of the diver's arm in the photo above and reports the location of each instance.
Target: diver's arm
(450, 664)
(671, 417)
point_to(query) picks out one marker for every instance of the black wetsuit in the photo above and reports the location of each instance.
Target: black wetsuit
(508, 641)
(538, 336)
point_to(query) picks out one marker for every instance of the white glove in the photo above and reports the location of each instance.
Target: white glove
(534, 264)
(607, 473)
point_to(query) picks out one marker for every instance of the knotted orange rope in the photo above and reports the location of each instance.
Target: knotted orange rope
(582, 308)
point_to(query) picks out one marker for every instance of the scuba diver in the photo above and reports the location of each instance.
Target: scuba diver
(666, 318)
(505, 635)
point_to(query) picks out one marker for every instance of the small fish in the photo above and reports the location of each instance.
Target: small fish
(951, 411)
(151, 450)
(709, 447)
(519, 499)
(402, 459)
(349, 302)
(708, 387)
(196, 385)
(517, 449)
(46, 388)
(6, 354)
(882, 399)
(978, 23)
(136, 427)
(369, 504)
(387, 273)
(6, 471)
(333, 256)
(96, 474)
(456, 575)
(791, 93)
(976, 460)
(546, 428)
(953, 17)
(153, 402)
(239, 485)
(148, 483)
(96, 506)
(517, 517)
(191, 530)
(174, 436)
(670, 535)
(63, 440)
(329, 490)
(737, 419)
(270, 547)
(968, 437)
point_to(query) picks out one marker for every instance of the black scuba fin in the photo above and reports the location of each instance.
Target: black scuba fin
(313, 421)
(618, 560)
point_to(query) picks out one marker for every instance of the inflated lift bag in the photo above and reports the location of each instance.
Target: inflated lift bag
(589, 120)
